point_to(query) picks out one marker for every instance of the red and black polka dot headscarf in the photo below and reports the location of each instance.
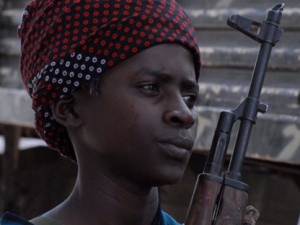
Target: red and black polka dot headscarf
(66, 43)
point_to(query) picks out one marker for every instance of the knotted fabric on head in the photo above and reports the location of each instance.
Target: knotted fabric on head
(66, 43)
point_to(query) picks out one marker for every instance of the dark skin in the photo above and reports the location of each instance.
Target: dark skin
(135, 135)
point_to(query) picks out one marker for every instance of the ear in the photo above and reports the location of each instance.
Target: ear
(64, 112)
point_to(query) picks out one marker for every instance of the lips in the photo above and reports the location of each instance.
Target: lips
(177, 148)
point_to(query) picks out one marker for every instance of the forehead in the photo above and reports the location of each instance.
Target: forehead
(164, 58)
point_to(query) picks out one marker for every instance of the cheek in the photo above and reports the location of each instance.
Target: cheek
(141, 129)
(129, 124)
(194, 128)
(137, 127)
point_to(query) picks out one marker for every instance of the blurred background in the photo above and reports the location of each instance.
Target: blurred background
(33, 179)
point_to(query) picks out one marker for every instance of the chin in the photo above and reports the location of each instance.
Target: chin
(164, 174)
(170, 177)
(173, 179)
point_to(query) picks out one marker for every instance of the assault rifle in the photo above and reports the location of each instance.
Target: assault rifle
(220, 197)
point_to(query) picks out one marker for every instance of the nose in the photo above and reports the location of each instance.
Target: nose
(180, 116)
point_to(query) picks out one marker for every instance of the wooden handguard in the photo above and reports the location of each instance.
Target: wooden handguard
(206, 195)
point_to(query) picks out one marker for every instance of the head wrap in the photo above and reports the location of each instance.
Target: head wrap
(65, 43)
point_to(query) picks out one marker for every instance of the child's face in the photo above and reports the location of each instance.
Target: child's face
(142, 125)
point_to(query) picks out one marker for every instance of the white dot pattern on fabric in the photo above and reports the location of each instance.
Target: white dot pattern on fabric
(69, 79)
(99, 70)
(58, 69)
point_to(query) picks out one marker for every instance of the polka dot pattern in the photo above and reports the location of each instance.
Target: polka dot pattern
(66, 43)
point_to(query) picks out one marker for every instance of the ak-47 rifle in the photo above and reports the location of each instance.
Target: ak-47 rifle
(219, 196)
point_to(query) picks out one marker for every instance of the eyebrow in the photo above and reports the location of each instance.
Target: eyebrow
(166, 77)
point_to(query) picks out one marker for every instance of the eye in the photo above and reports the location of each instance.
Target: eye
(149, 88)
(190, 99)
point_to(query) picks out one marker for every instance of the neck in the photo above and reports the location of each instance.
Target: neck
(99, 199)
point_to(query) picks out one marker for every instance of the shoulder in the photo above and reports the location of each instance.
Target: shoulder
(168, 220)
(12, 219)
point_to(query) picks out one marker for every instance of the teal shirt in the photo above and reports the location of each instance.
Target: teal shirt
(168, 220)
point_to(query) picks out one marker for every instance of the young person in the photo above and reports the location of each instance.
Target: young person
(114, 85)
